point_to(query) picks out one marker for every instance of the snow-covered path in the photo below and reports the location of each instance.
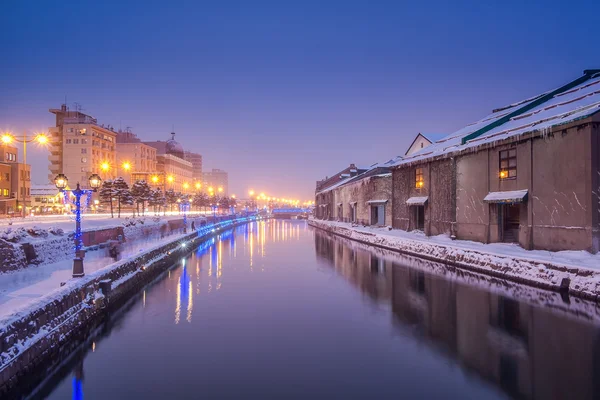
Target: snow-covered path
(19, 288)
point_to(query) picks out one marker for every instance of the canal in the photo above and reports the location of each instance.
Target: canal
(275, 309)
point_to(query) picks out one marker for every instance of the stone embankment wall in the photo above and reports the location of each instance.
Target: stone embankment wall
(578, 282)
(33, 341)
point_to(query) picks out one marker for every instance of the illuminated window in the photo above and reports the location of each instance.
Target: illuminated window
(419, 178)
(508, 164)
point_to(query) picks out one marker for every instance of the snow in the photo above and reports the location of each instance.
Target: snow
(25, 291)
(417, 201)
(23, 287)
(513, 196)
(510, 260)
(377, 201)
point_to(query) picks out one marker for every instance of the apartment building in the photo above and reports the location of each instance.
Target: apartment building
(173, 171)
(196, 160)
(80, 146)
(135, 159)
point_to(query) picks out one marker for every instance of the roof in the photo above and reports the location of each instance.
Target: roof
(377, 170)
(415, 140)
(576, 100)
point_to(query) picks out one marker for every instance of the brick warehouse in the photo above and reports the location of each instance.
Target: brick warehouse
(528, 173)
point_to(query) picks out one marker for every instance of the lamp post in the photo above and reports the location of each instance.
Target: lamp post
(8, 138)
(61, 183)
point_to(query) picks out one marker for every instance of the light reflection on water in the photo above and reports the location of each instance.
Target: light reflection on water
(277, 310)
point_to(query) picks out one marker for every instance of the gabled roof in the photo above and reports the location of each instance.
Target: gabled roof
(415, 140)
(576, 100)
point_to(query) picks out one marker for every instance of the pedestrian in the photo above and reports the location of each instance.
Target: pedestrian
(193, 226)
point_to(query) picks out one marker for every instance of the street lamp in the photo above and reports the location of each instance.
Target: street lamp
(94, 181)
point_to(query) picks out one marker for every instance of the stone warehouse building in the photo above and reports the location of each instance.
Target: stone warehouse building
(528, 173)
(361, 195)
(324, 201)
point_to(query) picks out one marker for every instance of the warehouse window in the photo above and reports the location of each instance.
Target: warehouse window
(508, 164)
(419, 178)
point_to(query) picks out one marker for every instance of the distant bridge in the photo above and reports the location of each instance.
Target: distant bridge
(289, 213)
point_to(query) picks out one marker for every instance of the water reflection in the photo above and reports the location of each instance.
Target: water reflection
(529, 342)
(277, 310)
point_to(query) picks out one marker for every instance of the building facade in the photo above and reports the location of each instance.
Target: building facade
(46, 199)
(173, 171)
(216, 178)
(324, 196)
(134, 158)
(80, 147)
(7, 200)
(18, 180)
(196, 160)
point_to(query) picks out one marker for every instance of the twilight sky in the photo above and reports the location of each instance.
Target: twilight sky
(282, 93)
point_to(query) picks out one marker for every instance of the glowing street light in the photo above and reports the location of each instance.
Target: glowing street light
(126, 166)
(7, 138)
(186, 186)
(198, 185)
(154, 179)
(94, 181)
(220, 189)
(251, 192)
(105, 166)
(170, 178)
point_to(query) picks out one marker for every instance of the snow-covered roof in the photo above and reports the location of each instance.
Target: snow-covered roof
(513, 196)
(377, 201)
(338, 184)
(557, 107)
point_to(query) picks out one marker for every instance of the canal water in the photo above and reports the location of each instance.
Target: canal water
(278, 310)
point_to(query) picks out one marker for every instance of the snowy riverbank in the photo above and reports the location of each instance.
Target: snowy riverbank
(579, 270)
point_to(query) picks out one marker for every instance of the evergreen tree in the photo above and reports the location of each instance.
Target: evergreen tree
(121, 193)
(224, 203)
(106, 194)
(156, 199)
(171, 198)
(140, 191)
(201, 201)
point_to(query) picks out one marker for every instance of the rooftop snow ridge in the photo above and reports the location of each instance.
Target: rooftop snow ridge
(579, 88)
(535, 123)
(518, 103)
(526, 106)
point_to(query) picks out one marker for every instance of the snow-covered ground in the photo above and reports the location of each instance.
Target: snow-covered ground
(20, 288)
(531, 266)
(88, 221)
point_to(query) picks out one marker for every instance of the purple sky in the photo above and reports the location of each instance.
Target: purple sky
(282, 93)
